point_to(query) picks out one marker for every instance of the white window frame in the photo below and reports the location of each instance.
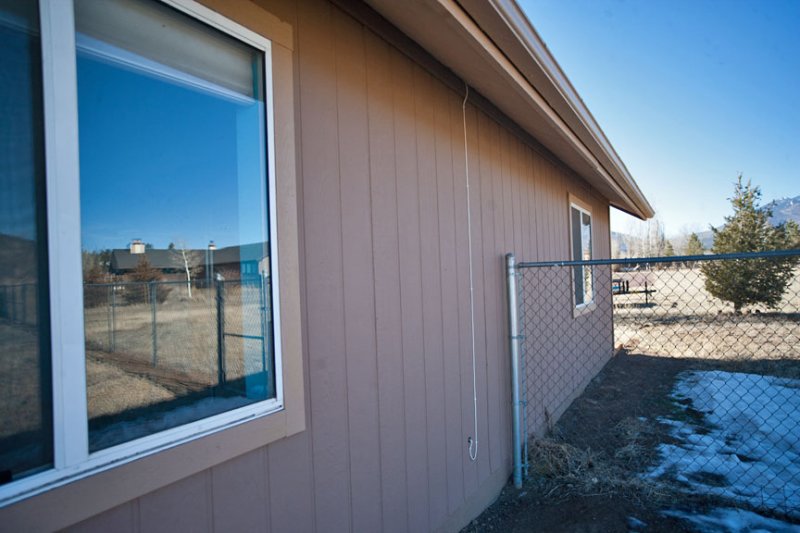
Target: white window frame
(583, 208)
(72, 459)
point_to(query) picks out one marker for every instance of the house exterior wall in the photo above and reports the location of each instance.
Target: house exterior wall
(385, 301)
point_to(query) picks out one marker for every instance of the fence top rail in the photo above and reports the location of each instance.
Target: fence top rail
(15, 285)
(771, 254)
(195, 282)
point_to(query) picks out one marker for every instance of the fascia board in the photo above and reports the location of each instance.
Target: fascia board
(444, 29)
(539, 56)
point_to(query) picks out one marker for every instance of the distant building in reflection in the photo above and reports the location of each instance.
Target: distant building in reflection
(137, 247)
(231, 262)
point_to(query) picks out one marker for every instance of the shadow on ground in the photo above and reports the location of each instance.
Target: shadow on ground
(585, 475)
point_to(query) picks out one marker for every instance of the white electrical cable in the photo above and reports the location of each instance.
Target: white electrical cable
(472, 441)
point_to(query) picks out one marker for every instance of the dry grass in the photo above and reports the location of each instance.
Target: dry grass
(111, 390)
(634, 454)
(562, 471)
(20, 397)
(125, 379)
(186, 332)
(683, 320)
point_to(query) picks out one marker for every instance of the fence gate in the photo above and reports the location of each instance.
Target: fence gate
(243, 318)
(698, 357)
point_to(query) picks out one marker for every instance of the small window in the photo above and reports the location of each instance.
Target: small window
(581, 237)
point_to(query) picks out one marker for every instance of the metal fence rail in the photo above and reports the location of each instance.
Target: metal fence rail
(714, 345)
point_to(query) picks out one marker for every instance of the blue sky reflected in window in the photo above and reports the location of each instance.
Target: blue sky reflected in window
(173, 151)
(167, 162)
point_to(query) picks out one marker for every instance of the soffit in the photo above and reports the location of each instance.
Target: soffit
(507, 63)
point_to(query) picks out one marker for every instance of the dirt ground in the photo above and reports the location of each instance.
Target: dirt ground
(585, 475)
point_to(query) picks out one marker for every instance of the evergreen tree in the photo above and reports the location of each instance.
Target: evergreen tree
(146, 273)
(753, 281)
(669, 251)
(694, 246)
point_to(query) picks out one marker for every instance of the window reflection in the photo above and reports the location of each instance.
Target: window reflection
(174, 220)
(25, 395)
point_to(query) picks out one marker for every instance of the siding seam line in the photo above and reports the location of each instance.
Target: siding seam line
(304, 298)
(441, 292)
(399, 283)
(374, 279)
(336, 58)
(415, 77)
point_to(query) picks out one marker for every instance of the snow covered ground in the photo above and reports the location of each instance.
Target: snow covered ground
(734, 521)
(741, 442)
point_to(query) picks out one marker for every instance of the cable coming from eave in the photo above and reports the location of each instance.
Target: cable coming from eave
(472, 441)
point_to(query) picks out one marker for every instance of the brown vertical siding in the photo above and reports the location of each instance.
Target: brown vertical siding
(411, 296)
(385, 272)
(323, 267)
(386, 267)
(239, 510)
(183, 506)
(358, 279)
(433, 343)
(291, 497)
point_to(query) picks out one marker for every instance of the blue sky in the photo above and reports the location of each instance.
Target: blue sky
(164, 162)
(690, 93)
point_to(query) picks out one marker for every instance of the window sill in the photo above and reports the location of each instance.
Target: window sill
(77, 495)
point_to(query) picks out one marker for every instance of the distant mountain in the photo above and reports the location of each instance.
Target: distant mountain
(706, 238)
(785, 209)
(679, 241)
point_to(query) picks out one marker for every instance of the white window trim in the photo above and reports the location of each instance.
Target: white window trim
(586, 306)
(72, 459)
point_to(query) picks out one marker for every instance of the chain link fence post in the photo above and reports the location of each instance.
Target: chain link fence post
(221, 377)
(113, 318)
(109, 302)
(153, 305)
(513, 329)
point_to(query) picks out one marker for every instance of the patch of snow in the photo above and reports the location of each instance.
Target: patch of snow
(669, 422)
(635, 524)
(747, 449)
(734, 521)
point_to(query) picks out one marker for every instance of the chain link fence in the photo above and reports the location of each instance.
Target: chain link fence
(164, 353)
(18, 303)
(697, 357)
(203, 333)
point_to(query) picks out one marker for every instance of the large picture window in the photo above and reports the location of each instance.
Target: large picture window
(26, 433)
(174, 224)
(139, 162)
(581, 241)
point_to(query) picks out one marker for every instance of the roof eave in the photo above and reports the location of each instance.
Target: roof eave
(510, 65)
